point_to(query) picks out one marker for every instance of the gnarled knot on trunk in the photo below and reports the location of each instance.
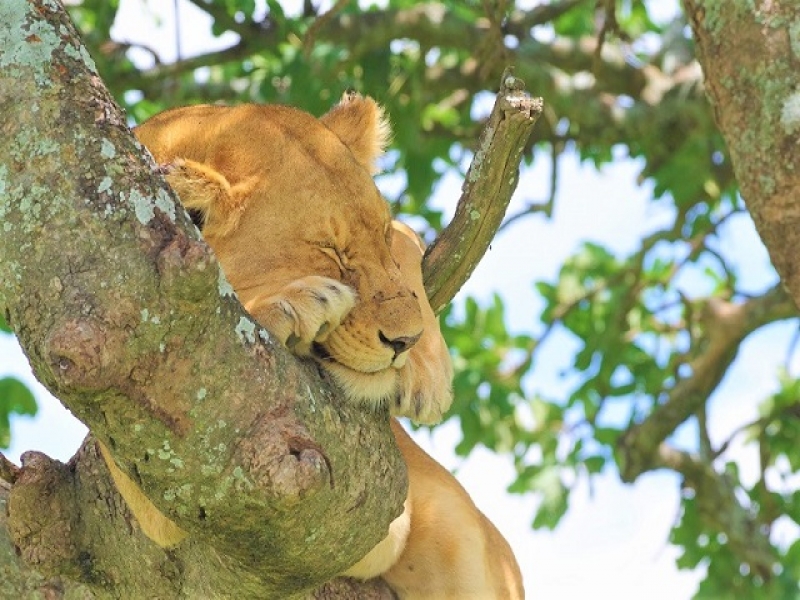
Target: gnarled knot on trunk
(83, 353)
(283, 459)
(42, 519)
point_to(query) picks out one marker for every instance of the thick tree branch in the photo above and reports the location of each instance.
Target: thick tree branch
(486, 192)
(124, 316)
(725, 325)
(750, 59)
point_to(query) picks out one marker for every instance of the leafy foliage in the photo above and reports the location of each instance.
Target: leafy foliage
(654, 330)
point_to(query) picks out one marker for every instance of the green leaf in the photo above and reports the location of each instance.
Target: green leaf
(555, 498)
(594, 464)
(15, 397)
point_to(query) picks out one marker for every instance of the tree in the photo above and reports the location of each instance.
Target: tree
(616, 81)
(218, 445)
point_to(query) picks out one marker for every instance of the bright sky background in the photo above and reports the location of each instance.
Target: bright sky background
(613, 541)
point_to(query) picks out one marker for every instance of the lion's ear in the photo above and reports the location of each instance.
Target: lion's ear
(360, 123)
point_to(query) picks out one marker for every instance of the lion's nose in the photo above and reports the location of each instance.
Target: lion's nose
(399, 344)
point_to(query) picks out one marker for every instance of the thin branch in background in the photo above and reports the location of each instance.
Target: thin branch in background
(730, 276)
(697, 245)
(319, 23)
(532, 209)
(540, 207)
(8, 470)
(176, 8)
(555, 153)
(706, 448)
(791, 349)
(120, 48)
(786, 412)
(609, 25)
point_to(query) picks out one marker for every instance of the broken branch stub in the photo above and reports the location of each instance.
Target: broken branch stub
(491, 180)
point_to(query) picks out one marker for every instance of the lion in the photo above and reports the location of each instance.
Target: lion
(289, 206)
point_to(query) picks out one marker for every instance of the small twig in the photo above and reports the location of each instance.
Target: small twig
(706, 447)
(540, 207)
(555, 153)
(532, 209)
(319, 23)
(491, 179)
(610, 25)
(120, 47)
(8, 470)
(786, 412)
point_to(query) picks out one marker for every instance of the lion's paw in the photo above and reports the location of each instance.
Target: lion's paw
(304, 312)
(425, 392)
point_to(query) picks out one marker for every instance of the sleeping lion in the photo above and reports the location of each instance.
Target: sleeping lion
(289, 206)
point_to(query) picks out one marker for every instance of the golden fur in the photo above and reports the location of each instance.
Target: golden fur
(288, 204)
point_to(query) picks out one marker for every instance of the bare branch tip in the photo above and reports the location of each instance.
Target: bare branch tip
(515, 98)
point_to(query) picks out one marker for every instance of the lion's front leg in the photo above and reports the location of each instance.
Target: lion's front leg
(425, 390)
(304, 312)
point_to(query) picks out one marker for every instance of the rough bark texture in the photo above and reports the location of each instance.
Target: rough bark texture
(125, 316)
(750, 54)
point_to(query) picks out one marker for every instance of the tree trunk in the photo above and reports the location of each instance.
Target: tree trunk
(749, 53)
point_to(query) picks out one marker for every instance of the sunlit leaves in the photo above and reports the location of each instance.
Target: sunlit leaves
(490, 363)
(727, 576)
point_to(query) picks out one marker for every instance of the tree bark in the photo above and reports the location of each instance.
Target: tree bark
(750, 54)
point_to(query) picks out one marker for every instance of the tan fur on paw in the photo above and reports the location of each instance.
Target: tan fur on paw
(304, 312)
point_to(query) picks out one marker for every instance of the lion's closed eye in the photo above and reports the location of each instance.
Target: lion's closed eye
(337, 255)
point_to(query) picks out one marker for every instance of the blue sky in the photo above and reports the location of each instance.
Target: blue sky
(613, 540)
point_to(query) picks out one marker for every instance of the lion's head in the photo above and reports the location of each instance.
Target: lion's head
(288, 204)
